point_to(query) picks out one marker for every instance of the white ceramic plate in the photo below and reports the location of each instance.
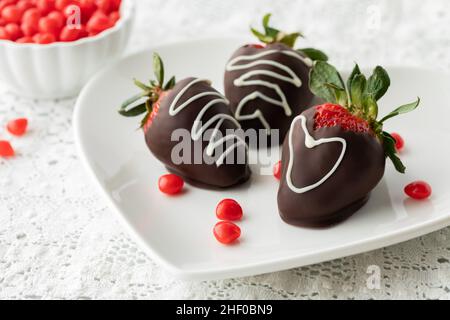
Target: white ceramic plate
(177, 231)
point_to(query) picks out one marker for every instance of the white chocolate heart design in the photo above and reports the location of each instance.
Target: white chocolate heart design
(311, 143)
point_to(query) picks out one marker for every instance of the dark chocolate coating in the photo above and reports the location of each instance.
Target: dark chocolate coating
(299, 99)
(345, 192)
(158, 139)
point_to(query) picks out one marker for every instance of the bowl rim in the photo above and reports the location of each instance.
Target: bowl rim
(127, 11)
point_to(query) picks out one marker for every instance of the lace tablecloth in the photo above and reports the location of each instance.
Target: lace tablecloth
(59, 239)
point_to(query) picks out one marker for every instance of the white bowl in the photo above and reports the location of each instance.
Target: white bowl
(60, 69)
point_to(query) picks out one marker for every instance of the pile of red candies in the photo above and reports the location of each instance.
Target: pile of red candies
(48, 21)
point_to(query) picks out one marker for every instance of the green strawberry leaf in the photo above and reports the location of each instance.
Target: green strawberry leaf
(378, 83)
(158, 68)
(370, 107)
(135, 111)
(270, 32)
(170, 84)
(323, 77)
(290, 39)
(391, 152)
(401, 110)
(266, 20)
(141, 85)
(314, 54)
(262, 37)
(340, 94)
(357, 88)
(356, 71)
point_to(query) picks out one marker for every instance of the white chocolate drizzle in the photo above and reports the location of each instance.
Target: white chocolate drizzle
(310, 143)
(245, 80)
(199, 127)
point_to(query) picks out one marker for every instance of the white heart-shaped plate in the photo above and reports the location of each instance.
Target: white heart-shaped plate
(177, 231)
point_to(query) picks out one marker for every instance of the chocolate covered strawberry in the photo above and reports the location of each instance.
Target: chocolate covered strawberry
(189, 128)
(267, 84)
(335, 153)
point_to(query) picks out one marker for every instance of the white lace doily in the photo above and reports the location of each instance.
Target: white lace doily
(59, 240)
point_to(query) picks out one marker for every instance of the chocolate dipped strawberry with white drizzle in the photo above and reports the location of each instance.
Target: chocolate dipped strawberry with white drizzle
(267, 84)
(206, 151)
(335, 153)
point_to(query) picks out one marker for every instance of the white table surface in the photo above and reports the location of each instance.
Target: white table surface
(59, 239)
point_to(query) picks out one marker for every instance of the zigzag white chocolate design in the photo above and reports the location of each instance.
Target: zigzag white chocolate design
(199, 127)
(310, 143)
(245, 80)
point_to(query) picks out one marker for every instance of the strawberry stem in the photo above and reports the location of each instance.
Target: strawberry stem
(360, 97)
(143, 102)
(272, 35)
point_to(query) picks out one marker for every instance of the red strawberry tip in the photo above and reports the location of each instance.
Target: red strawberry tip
(331, 115)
